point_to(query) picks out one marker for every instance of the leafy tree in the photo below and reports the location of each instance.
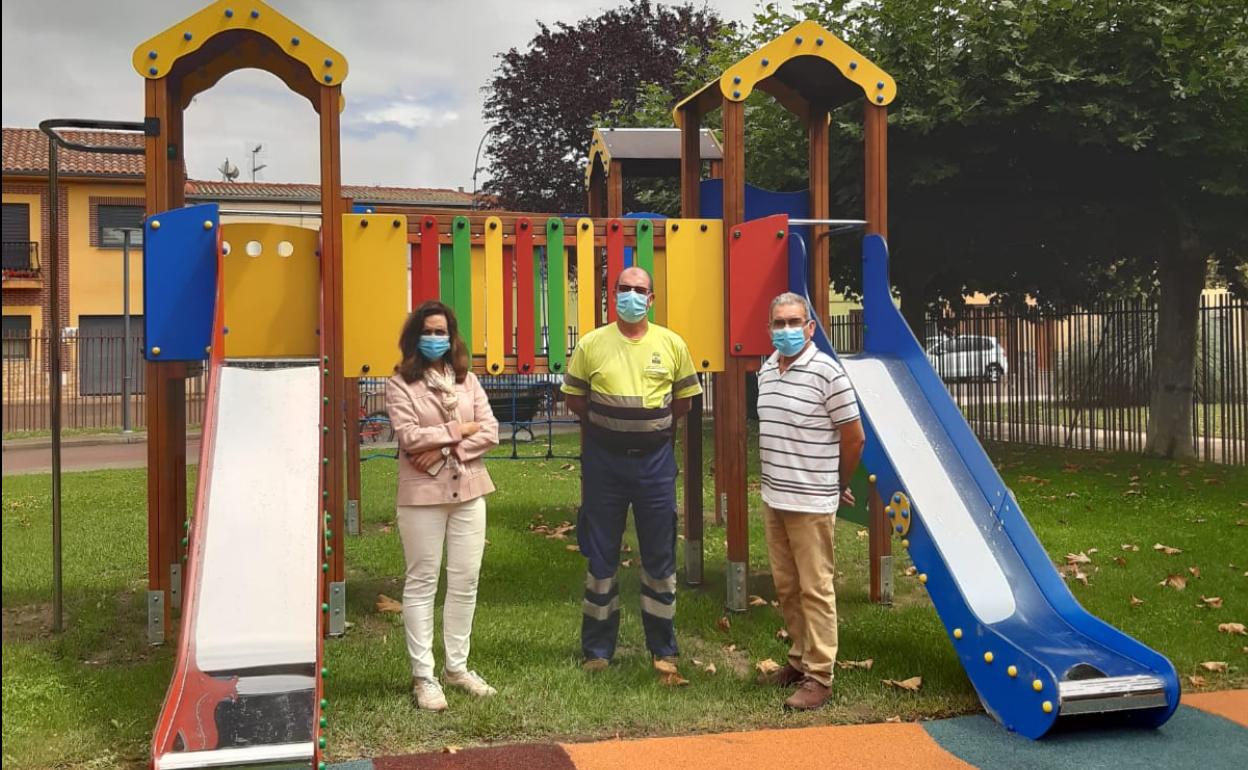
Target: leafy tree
(545, 101)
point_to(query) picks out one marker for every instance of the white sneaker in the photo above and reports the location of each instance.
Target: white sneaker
(470, 682)
(429, 695)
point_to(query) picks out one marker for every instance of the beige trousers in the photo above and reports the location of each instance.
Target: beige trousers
(800, 548)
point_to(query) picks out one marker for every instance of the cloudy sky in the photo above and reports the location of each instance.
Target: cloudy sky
(413, 93)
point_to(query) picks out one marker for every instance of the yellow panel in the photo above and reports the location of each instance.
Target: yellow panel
(695, 281)
(496, 329)
(739, 80)
(660, 287)
(586, 302)
(325, 64)
(272, 302)
(478, 299)
(374, 292)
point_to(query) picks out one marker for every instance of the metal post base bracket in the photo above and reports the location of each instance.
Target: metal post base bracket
(337, 608)
(175, 586)
(353, 517)
(693, 562)
(155, 617)
(736, 600)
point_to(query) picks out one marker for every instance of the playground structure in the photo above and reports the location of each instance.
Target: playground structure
(248, 685)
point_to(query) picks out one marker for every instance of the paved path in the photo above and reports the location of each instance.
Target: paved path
(36, 456)
(1209, 732)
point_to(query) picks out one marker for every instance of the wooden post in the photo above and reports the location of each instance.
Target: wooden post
(875, 193)
(690, 177)
(615, 193)
(819, 248)
(730, 465)
(597, 189)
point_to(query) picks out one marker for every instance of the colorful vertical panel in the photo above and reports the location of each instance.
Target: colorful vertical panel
(526, 298)
(615, 262)
(374, 302)
(556, 278)
(425, 282)
(461, 260)
(695, 283)
(587, 312)
(180, 282)
(496, 286)
(644, 255)
(758, 272)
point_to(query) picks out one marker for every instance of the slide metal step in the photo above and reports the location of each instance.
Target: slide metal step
(282, 755)
(1115, 693)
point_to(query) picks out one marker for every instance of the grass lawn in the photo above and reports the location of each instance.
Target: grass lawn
(89, 698)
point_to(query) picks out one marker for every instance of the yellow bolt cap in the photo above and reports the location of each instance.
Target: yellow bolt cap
(155, 224)
(1047, 706)
(957, 633)
(1037, 685)
(871, 478)
(207, 224)
(905, 543)
(987, 657)
(155, 351)
(923, 578)
(1012, 671)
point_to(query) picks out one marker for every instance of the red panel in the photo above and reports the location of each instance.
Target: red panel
(525, 322)
(425, 284)
(757, 271)
(615, 262)
(509, 279)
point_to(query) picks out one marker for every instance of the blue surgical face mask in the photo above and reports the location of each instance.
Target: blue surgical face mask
(434, 346)
(789, 341)
(631, 306)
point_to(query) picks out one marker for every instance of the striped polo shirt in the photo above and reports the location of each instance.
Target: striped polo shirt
(631, 384)
(799, 439)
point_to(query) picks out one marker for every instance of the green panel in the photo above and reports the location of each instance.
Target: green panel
(447, 274)
(539, 257)
(645, 251)
(556, 277)
(461, 257)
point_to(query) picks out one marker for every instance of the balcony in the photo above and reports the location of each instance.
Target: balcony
(21, 265)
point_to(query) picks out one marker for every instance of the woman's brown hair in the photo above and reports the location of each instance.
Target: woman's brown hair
(412, 367)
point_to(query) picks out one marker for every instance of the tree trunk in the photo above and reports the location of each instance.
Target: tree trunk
(1182, 274)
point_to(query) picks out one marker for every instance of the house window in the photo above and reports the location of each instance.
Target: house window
(16, 336)
(18, 247)
(112, 220)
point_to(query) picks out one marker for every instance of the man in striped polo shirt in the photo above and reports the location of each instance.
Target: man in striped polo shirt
(629, 383)
(810, 440)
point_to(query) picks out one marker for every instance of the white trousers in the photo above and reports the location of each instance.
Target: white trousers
(424, 529)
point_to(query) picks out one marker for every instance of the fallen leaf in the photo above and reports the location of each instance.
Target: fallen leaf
(1194, 570)
(865, 664)
(1185, 471)
(672, 680)
(910, 571)
(757, 601)
(450, 749)
(1212, 482)
(572, 547)
(626, 563)
(776, 604)
(1072, 494)
(1177, 582)
(1120, 561)
(1167, 550)
(626, 548)
(893, 719)
(567, 467)
(1130, 547)
(730, 648)
(710, 668)
(1093, 550)
(1197, 681)
(912, 684)
(767, 666)
(1216, 666)
(697, 663)
(1212, 602)
(1078, 558)
(487, 542)
(1233, 628)
(1136, 601)
(723, 624)
(386, 528)
(782, 634)
(386, 604)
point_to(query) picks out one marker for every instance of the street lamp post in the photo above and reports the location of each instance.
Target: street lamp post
(476, 165)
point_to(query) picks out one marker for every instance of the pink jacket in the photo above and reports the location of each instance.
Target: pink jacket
(420, 425)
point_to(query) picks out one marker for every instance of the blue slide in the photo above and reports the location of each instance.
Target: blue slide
(1032, 652)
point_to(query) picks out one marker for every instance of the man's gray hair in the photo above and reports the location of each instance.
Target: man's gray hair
(789, 298)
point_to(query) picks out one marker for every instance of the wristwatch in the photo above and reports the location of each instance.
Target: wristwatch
(446, 451)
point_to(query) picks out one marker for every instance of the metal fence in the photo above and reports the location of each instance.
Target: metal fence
(93, 375)
(1080, 377)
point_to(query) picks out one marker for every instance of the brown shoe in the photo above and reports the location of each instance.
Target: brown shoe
(810, 695)
(782, 677)
(594, 665)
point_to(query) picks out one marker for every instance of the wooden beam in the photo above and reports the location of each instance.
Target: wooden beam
(731, 465)
(690, 179)
(819, 248)
(332, 208)
(615, 192)
(875, 193)
(352, 395)
(597, 191)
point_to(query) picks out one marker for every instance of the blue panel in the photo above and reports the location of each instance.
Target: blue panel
(180, 282)
(359, 208)
(1049, 633)
(761, 203)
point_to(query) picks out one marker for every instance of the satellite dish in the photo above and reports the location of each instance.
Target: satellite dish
(229, 172)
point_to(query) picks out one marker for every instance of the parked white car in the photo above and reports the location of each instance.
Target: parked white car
(967, 357)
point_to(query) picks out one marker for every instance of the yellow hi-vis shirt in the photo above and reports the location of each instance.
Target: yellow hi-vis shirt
(631, 384)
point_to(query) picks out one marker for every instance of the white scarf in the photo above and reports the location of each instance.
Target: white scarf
(442, 381)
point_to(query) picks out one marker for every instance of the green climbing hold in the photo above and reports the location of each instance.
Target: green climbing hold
(329, 549)
(324, 671)
(185, 540)
(324, 721)
(324, 566)
(324, 607)
(329, 534)
(321, 741)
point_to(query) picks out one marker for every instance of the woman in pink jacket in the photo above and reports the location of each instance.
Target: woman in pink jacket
(443, 424)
